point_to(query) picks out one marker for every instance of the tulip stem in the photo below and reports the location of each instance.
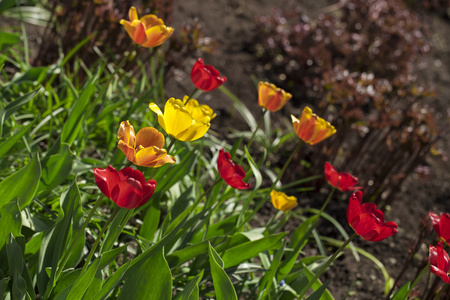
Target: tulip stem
(170, 145)
(326, 202)
(256, 128)
(97, 240)
(192, 94)
(280, 174)
(80, 232)
(326, 265)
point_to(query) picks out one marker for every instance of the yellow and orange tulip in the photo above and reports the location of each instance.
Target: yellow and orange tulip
(311, 128)
(184, 120)
(271, 97)
(283, 202)
(146, 148)
(148, 31)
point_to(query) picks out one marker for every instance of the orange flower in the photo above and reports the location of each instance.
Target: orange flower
(271, 97)
(146, 148)
(311, 128)
(148, 31)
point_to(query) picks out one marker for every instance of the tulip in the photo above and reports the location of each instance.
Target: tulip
(283, 202)
(231, 173)
(439, 261)
(311, 128)
(127, 187)
(441, 225)
(184, 121)
(148, 31)
(271, 97)
(146, 149)
(342, 181)
(206, 77)
(367, 220)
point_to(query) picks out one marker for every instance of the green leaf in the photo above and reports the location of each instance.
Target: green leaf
(11, 142)
(73, 124)
(241, 108)
(187, 253)
(242, 252)
(112, 282)
(266, 281)
(81, 285)
(255, 169)
(58, 237)
(3, 285)
(317, 295)
(322, 295)
(33, 75)
(403, 292)
(56, 168)
(222, 284)
(191, 291)
(220, 228)
(151, 279)
(298, 240)
(10, 223)
(21, 184)
(8, 39)
(14, 106)
(6, 4)
(151, 219)
(18, 271)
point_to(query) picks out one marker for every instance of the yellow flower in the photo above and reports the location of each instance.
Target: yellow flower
(283, 202)
(271, 97)
(311, 128)
(146, 148)
(148, 31)
(184, 121)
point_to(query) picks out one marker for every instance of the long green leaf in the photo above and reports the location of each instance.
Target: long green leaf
(15, 105)
(222, 284)
(22, 184)
(11, 142)
(111, 282)
(191, 290)
(81, 285)
(151, 279)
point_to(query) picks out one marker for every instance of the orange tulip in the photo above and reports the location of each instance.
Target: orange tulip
(311, 128)
(144, 149)
(148, 31)
(271, 97)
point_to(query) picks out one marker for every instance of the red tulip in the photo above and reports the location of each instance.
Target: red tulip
(367, 220)
(439, 261)
(127, 187)
(230, 172)
(206, 77)
(441, 225)
(342, 181)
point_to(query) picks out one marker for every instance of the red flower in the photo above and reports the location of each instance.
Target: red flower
(206, 77)
(342, 181)
(127, 187)
(230, 172)
(439, 261)
(367, 220)
(441, 225)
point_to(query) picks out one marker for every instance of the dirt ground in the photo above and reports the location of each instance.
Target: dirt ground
(230, 22)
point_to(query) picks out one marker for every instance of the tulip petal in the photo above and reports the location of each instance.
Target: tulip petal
(153, 157)
(127, 194)
(151, 20)
(106, 179)
(435, 218)
(354, 206)
(176, 117)
(148, 137)
(127, 150)
(133, 174)
(157, 35)
(195, 131)
(444, 227)
(148, 189)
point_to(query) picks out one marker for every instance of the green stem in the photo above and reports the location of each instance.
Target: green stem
(261, 203)
(99, 237)
(257, 127)
(192, 94)
(80, 232)
(326, 265)
(326, 202)
(170, 145)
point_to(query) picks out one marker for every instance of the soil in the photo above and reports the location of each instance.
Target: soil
(230, 23)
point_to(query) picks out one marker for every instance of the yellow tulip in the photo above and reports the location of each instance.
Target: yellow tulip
(283, 202)
(184, 121)
(148, 31)
(311, 128)
(271, 97)
(146, 148)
